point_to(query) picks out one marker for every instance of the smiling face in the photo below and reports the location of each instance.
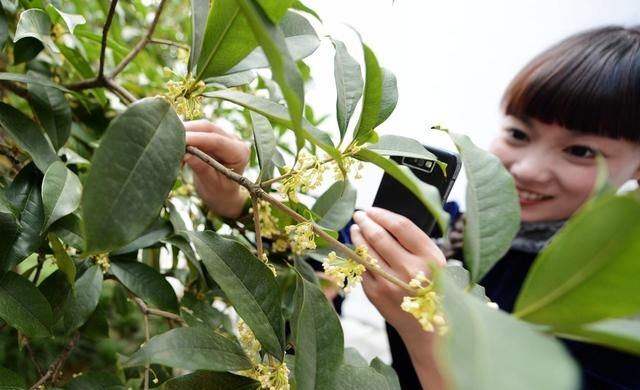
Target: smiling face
(555, 169)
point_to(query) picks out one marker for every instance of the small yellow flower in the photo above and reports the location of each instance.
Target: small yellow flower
(273, 377)
(363, 252)
(280, 245)
(185, 95)
(306, 174)
(302, 237)
(103, 261)
(425, 305)
(248, 341)
(346, 272)
(268, 222)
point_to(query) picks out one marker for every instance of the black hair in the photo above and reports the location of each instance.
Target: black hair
(589, 83)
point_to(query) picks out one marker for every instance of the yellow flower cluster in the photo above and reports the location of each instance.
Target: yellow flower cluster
(248, 340)
(348, 163)
(274, 377)
(185, 95)
(346, 272)
(362, 251)
(103, 261)
(268, 223)
(306, 174)
(425, 305)
(302, 237)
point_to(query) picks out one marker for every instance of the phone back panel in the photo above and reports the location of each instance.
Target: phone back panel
(393, 196)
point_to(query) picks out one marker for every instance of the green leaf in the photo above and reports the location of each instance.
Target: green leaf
(275, 9)
(462, 278)
(350, 377)
(84, 299)
(68, 229)
(199, 10)
(318, 337)
(284, 70)
(388, 372)
(278, 114)
(264, 140)
(349, 85)
(26, 49)
(206, 380)
(249, 285)
(52, 110)
(35, 23)
(428, 194)
(336, 205)
(147, 283)
(158, 231)
(131, 174)
(97, 38)
(23, 306)
(8, 377)
(233, 79)
(300, 37)
(56, 290)
(28, 136)
(9, 228)
(396, 145)
(380, 97)
(69, 20)
(96, 381)
(24, 196)
(582, 276)
(61, 191)
(487, 349)
(64, 262)
(622, 334)
(24, 78)
(229, 39)
(192, 349)
(493, 211)
(298, 5)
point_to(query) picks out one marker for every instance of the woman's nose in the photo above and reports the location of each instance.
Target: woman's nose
(531, 168)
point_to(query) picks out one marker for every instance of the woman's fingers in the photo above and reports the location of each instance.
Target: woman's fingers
(410, 236)
(205, 126)
(380, 240)
(228, 151)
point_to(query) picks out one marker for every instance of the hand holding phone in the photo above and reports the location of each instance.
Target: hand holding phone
(393, 196)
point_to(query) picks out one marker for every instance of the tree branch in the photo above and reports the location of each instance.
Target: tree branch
(141, 44)
(256, 190)
(160, 313)
(105, 34)
(54, 368)
(160, 41)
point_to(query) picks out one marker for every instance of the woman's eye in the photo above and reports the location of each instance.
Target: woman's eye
(581, 151)
(517, 135)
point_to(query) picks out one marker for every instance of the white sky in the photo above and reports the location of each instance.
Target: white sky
(453, 59)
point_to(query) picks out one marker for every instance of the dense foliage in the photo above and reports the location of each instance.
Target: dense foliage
(114, 275)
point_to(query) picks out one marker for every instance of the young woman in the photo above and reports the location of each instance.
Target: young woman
(579, 98)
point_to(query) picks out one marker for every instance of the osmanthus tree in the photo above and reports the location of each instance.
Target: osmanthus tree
(98, 216)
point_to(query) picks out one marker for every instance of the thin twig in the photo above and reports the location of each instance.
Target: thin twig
(120, 91)
(256, 221)
(33, 359)
(140, 45)
(156, 312)
(41, 260)
(105, 34)
(267, 183)
(147, 337)
(160, 41)
(54, 368)
(260, 193)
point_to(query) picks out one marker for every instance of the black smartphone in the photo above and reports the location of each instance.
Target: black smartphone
(393, 196)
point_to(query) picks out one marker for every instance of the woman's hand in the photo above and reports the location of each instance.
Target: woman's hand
(402, 249)
(223, 196)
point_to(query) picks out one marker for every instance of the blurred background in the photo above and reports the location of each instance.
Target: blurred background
(453, 59)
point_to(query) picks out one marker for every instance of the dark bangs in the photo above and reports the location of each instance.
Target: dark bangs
(589, 82)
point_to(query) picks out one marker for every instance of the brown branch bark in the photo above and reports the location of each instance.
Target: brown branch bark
(54, 368)
(159, 313)
(256, 190)
(141, 44)
(105, 34)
